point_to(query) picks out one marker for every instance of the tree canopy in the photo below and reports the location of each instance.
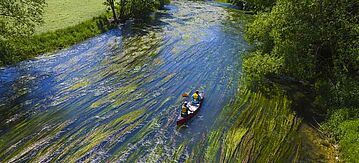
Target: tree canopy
(314, 41)
(133, 8)
(19, 17)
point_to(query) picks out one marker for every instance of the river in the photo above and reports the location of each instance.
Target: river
(116, 96)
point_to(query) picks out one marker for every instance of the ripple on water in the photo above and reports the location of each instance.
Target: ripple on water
(115, 97)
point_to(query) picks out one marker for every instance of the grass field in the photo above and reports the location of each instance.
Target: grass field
(60, 14)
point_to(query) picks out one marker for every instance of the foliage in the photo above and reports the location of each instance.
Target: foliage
(349, 136)
(255, 5)
(19, 18)
(260, 5)
(260, 29)
(133, 8)
(343, 124)
(257, 66)
(111, 4)
(338, 117)
(316, 40)
(18, 49)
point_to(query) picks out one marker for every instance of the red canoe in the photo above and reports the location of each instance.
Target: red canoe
(194, 110)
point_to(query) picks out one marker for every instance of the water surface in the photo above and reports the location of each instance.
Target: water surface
(116, 97)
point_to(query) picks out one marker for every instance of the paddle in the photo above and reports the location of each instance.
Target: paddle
(184, 95)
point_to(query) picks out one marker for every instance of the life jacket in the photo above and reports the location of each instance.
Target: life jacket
(184, 109)
(195, 96)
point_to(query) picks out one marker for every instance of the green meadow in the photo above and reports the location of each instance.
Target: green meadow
(65, 23)
(65, 13)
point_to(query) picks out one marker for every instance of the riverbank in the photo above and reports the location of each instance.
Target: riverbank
(291, 44)
(64, 23)
(20, 49)
(66, 13)
(64, 28)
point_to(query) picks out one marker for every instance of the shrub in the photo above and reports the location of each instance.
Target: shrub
(343, 125)
(258, 66)
(349, 140)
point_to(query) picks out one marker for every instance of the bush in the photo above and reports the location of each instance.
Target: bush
(343, 125)
(349, 140)
(315, 42)
(258, 66)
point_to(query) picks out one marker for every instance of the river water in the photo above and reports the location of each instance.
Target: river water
(116, 97)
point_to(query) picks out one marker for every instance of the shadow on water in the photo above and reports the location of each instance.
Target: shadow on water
(116, 97)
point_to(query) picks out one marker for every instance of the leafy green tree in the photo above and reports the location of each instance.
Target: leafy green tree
(260, 5)
(122, 5)
(133, 8)
(111, 4)
(19, 17)
(317, 41)
(256, 5)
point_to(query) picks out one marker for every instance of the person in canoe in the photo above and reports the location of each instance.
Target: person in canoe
(196, 98)
(184, 110)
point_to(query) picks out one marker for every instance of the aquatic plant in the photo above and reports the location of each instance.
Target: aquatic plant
(259, 128)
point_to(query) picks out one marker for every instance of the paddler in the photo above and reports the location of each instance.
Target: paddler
(184, 109)
(196, 98)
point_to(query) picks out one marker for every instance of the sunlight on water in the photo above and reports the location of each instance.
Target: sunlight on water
(116, 97)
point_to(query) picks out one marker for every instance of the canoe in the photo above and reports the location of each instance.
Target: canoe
(194, 110)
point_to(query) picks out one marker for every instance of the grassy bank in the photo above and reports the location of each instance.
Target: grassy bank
(66, 23)
(20, 49)
(66, 13)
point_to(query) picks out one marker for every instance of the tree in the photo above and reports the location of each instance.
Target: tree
(314, 41)
(162, 3)
(122, 4)
(111, 4)
(260, 5)
(19, 17)
(133, 8)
